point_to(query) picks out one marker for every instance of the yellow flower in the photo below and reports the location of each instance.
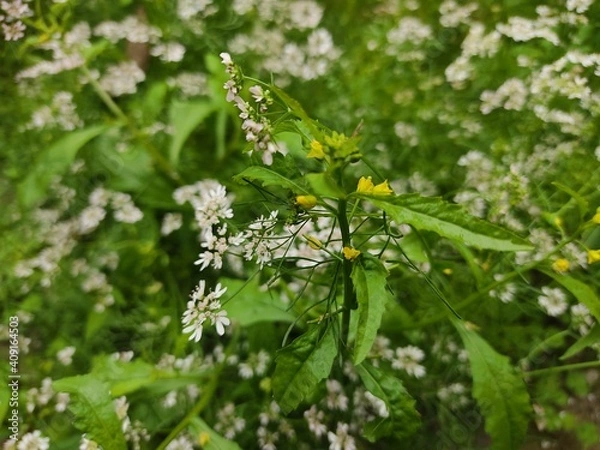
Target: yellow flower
(593, 256)
(316, 150)
(382, 189)
(350, 253)
(203, 438)
(365, 185)
(561, 265)
(306, 201)
(313, 242)
(596, 218)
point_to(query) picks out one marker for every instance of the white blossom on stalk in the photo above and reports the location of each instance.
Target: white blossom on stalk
(33, 440)
(553, 300)
(407, 359)
(341, 440)
(204, 306)
(212, 207)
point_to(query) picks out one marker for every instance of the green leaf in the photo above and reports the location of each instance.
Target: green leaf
(184, 117)
(302, 365)
(296, 108)
(54, 161)
(215, 440)
(582, 292)
(323, 185)
(592, 338)
(93, 410)
(124, 377)
(499, 390)
(403, 419)
(369, 280)
(269, 177)
(247, 304)
(449, 221)
(582, 203)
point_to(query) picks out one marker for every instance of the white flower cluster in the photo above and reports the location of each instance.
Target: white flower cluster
(134, 432)
(402, 358)
(255, 124)
(511, 95)
(61, 113)
(412, 31)
(476, 44)
(554, 301)
(131, 28)
(267, 39)
(12, 26)
(452, 14)
(228, 424)
(67, 53)
(189, 83)
(123, 78)
(203, 306)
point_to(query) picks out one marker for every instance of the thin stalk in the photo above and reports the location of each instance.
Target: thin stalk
(205, 398)
(349, 299)
(565, 368)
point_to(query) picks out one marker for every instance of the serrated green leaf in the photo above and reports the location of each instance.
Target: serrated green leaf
(93, 410)
(269, 177)
(54, 161)
(582, 292)
(403, 419)
(592, 338)
(302, 365)
(247, 304)
(449, 221)
(184, 117)
(499, 391)
(215, 441)
(369, 281)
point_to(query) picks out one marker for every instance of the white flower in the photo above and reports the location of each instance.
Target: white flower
(65, 356)
(314, 417)
(33, 441)
(202, 307)
(407, 359)
(553, 300)
(341, 440)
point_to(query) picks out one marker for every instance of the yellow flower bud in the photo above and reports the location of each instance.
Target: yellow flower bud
(593, 256)
(447, 271)
(350, 253)
(365, 185)
(203, 438)
(596, 218)
(561, 265)
(316, 150)
(382, 189)
(313, 242)
(306, 201)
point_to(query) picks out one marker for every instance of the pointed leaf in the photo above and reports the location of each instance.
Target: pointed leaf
(499, 390)
(323, 185)
(269, 177)
(592, 338)
(93, 410)
(184, 117)
(369, 280)
(582, 292)
(403, 419)
(53, 161)
(302, 365)
(449, 221)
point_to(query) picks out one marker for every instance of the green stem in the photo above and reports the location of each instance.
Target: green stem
(565, 368)
(349, 298)
(205, 397)
(161, 162)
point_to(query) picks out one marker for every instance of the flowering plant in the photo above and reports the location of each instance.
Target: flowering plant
(389, 212)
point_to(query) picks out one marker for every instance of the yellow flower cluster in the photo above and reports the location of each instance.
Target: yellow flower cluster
(350, 253)
(366, 186)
